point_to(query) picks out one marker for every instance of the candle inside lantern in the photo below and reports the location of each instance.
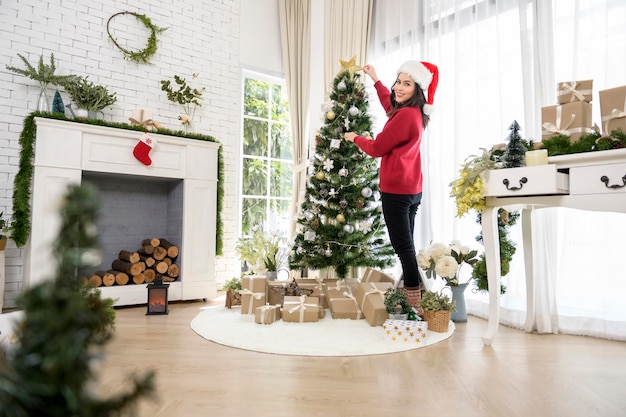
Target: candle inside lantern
(538, 157)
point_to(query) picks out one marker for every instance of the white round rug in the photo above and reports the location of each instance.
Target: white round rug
(326, 337)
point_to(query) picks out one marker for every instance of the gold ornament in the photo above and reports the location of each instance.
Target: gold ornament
(330, 115)
(360, 203)
(340, 218)
(320, 175)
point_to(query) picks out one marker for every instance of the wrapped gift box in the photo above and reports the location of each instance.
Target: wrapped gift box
(405, 331)
(571, 91)
(277, 290)
(301, 309)
(613, 109)
(371, 299)
(252, 293)
(372, 275)
(343, 304)
(571, 119)
(316, 287)
(267, 314)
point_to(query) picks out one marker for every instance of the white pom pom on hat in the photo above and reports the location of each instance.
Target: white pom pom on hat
(426, 75)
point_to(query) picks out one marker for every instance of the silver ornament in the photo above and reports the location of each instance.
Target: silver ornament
(353, 111)
(366, 192)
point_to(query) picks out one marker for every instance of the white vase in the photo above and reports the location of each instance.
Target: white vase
(82, 113)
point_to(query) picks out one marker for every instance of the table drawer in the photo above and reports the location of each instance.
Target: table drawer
(599, 179)
(523, 181)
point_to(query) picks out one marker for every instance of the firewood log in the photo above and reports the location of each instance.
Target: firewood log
(153, 241)
(159, 253)
(173, 271)
(132, 257)
(139, 278)
(168, 260)
(172, 250)
(149, 274)
(146, 250)
(127, 267)
(161, 267)
(121, 278)
(148, 260)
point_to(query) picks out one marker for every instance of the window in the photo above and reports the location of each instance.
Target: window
(267, 160)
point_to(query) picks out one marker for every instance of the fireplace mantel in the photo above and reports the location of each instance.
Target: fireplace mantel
(64, 150)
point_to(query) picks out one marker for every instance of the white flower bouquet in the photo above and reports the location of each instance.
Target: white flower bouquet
(446, 260)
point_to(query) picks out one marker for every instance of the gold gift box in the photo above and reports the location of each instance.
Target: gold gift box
(267, 314)
(572, 91)
(405, 331)
(613, 109)
(343, 304)
(571, 119)
(371, 299)
(301, 309)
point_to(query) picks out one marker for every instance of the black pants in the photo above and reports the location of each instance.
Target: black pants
(399, 211)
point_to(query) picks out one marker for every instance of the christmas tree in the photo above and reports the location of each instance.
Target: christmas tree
(516, 148)
(63, 332)
(340, 218)
(57, 103)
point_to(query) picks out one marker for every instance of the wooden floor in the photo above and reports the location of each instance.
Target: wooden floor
(519, 375)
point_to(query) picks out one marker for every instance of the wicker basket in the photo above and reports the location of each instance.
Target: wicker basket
(437, 320)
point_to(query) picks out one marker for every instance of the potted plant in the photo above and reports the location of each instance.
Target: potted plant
(232, 288)
(5, 227)
(88, 97)
(45, 75)
(396, 304)
(183, 94)
(263, 253)
(437, 310)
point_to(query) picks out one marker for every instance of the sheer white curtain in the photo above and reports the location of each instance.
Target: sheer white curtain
(499, 62)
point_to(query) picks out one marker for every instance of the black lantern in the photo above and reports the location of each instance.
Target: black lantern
(157, 297)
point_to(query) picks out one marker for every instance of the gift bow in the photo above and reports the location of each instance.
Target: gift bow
(257, 295)
(341, 283)
(570, 88)
(138, 119)
(348, 295)
(302, 305)
(615, 114)
(556, 128)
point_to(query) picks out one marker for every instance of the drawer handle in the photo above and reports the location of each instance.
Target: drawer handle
(605, 180)
(522, 181)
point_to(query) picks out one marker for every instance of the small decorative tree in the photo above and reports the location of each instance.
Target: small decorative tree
(516, 148)
(57, 103)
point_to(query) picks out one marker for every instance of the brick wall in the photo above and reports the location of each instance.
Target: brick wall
(202, 37)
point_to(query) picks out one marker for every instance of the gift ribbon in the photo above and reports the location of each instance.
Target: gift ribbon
(301, 305)
(264, 310)
(615, 114)
(570, 88)
(257, 295)
(550, 128)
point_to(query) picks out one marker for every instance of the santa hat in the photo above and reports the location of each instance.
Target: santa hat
(426, 75)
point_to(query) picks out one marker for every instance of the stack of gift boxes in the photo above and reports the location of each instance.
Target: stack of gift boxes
(572, 116)
(305, 300)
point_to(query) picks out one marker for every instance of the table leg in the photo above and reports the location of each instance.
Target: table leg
(491, 242)
(527, 241)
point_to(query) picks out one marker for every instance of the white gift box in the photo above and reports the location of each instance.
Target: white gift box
(405, 331)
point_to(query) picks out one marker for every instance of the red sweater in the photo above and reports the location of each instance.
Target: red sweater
(399, 146)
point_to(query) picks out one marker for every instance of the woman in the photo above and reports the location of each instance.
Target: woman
(400, 172)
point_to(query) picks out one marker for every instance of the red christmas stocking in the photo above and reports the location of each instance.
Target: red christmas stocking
(143, 148)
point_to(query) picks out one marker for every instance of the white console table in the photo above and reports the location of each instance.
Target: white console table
(594, 181)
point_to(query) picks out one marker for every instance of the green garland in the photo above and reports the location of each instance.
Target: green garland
(141, 56)
(20, 225)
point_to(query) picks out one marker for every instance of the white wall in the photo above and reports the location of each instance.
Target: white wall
(203, 36)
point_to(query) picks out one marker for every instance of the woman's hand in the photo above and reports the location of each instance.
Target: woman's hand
(349, 136)
(369, 70)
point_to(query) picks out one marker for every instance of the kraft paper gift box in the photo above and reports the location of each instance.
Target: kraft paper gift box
(317, 288)
(371, 299)
(372, 275)
(277, 290)
(571, 91)
(301, 309)
(613, 109)
(267, 314)
(343, 304)
(571, 119)
(405, 331)
(252, 293)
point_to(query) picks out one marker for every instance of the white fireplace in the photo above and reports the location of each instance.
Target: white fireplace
(183, 174)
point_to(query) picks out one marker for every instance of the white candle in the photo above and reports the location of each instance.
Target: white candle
(538, 157)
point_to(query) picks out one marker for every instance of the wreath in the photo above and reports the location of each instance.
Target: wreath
(141, 56)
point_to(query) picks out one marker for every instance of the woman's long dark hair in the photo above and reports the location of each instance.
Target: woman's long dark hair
(418, 100)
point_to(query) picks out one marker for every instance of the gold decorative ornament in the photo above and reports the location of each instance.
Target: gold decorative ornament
(141, 56)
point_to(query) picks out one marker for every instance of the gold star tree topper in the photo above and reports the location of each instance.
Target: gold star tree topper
(349, 66)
